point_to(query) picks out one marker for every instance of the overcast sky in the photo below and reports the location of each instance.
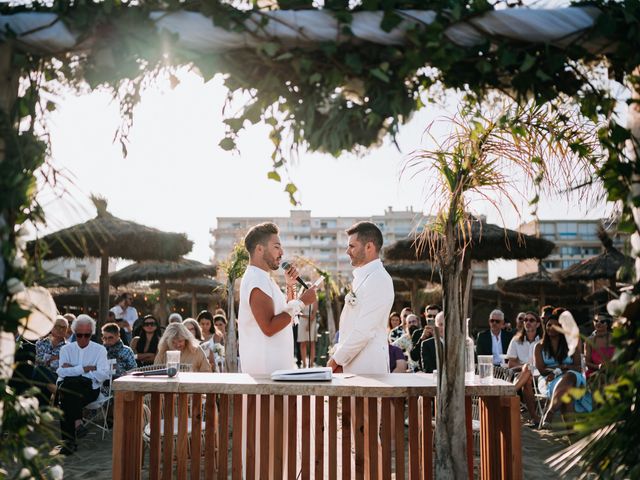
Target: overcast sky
(176, 178)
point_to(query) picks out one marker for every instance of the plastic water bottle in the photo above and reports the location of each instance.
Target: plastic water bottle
(469, 353)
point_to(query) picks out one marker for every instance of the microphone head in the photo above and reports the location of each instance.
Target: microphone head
(285, 265)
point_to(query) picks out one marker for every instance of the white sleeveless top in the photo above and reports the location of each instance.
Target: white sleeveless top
(259, 354)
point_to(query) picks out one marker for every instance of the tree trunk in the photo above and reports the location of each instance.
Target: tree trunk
(633, 121)
(163, 302)
(450, 437)
(194, 304)
(231, 350)
(415, 308)
(103, 301)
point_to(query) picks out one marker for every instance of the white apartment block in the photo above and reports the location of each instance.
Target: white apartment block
(323, 239)
(575, 240)
(73, 268)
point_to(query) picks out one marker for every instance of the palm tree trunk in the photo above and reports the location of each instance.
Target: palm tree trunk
(231, 349)
(450, 438)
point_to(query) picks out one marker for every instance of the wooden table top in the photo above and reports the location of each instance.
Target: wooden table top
(342, 385)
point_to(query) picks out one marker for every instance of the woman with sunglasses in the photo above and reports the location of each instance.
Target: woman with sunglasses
(598, 349)
(145, 342)
(520, 359)
(559, 371)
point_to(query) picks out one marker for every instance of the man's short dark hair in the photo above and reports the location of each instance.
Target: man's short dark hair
(367, 232)
(433, 306)
(259, 234)
(111, 328)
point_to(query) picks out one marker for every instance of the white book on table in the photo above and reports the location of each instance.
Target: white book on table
(303, 374)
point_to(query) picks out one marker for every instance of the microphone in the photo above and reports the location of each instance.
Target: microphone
(170, 372)
(287, 266)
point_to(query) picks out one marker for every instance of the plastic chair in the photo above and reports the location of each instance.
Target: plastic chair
(101, 404)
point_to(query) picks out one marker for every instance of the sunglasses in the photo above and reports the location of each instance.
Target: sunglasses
(602, 322)
(530, 320)
(83, 335)
(149, 324)
(495, 320)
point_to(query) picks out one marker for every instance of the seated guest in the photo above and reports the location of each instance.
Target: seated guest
(177, 337)
(194, 328)
(397, 332)
(123, 355)
(421, 334)
(559, 372)
(397, 362)
(404, 342)
(83, 368)
(125, 336)
(494, 341)
(520, 321)
(598, 348)
(394, 321)
(428, 354)
(220, 324)
(205, 319)
(145, 343)
(70, 318)
(175, 317)
(521, 360)
(47, 356)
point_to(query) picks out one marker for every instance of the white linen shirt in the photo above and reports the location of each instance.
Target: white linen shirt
(260, 354)
(496, 347)
(363, 346)
(130, 314)
(522, 351)
(92, 354)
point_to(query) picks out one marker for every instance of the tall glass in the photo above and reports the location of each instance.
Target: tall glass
(485, 368)
(173, 362)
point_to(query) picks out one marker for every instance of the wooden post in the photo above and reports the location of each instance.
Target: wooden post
(127, 436)
(163, 302)
(103, 302)
(194, 304)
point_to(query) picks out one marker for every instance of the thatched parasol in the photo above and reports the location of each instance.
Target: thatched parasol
(541, 284)
(413, 275)
(162, 270)
(52, 280)
(85, 296)
(486, 242)
(196, 287)
(602, 266)
(107, 237)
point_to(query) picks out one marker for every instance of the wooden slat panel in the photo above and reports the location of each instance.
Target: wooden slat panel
(385, 438)
(223, 438)
(196, 435)
(127, 439)
(265, 441)
(251, 436)
(359, 438)
(468, 417)
(292, 448)
(236, 460)
(155, 440)
(427, 439)
(371, 450)
(490, 437)
(414, 439)
(319, 434)
(167, 439)
(210, 469)
(511, 439)
(182, 450)
(278, 436)
(333, 438)
(398, 410)
(346, 438)
(306, 436)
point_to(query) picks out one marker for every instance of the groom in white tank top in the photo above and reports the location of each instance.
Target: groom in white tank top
(265, 335)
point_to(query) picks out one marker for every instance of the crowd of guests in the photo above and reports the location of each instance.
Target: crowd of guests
(73, 365)
(534, 355)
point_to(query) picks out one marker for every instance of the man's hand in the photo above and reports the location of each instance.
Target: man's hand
(427, 332)
(66, 365)
(335, 368)
(291, 275)
(309, 296)
(89, 368)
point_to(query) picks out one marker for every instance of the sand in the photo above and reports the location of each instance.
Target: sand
(93, 458)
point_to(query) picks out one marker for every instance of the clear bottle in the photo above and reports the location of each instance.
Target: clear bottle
(469, 354)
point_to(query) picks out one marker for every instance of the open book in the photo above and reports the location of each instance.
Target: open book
(303, 374)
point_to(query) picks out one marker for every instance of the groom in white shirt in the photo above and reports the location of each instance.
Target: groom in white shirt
(363, 347)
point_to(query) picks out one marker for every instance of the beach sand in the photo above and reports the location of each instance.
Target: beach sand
(93, 458)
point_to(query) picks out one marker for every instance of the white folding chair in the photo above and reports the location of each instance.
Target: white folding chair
(101, 404)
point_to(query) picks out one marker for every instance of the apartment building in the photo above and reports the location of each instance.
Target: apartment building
(575, 240)
(323, 239)
(73, 268)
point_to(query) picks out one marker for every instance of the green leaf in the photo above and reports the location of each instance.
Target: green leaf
(290, 188)
(379, 74)
(529, 61)
(274, 176)
(227, 144)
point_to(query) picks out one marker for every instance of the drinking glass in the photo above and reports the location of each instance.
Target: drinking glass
(485, 368)
(173, 362)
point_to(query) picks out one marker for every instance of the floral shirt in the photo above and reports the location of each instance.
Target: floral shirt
(404, 342)
(45, 347)
(124, 356)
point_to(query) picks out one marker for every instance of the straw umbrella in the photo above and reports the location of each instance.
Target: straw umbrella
(52, 280)
(543, 285)
(162, 271)
(414, 275)
(602, 266)
(106, 236)
(201, 290)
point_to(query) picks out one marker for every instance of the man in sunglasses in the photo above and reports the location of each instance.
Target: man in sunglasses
(83, 368)
(494, 341)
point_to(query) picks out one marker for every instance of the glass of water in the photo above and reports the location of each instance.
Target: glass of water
(173, 362)
(485, 368)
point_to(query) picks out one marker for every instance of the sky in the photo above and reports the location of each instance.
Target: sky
(176, 178)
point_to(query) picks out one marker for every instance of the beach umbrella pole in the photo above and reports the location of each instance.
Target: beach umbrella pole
(103, 304)
(194, 304)
(163, 301)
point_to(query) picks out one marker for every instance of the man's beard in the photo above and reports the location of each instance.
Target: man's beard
(271, 261)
